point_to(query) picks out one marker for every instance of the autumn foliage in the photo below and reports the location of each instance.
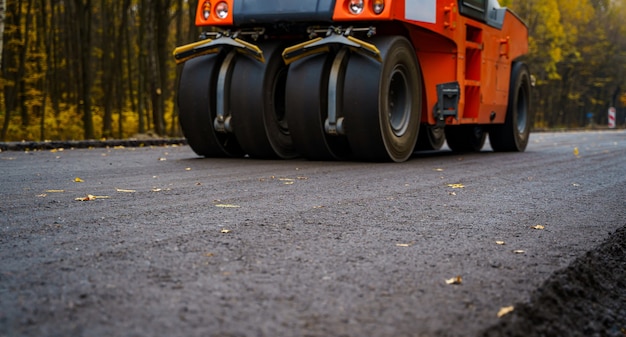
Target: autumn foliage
(89, 69)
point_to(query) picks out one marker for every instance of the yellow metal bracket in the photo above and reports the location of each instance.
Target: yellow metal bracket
(322, 45)
(213, 46)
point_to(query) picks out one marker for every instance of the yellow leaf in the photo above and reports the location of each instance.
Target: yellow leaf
(90, 197)
(537, 227)
(156, 190)
(188, 169)
(225, 231)
(403, 245)
(78, 180)
(505, 311)
(501, 243)
(227, 206)
(456, 185)
(438, 169)
(455, 280)
(43, 195)
(519, 251)
(576, 152)
(125, 191)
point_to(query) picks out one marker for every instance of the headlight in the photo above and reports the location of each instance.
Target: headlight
(356, 6)
(378, 6)
(221, 10)
(206, 10)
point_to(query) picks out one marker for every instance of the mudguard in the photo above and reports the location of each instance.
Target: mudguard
(248, 12)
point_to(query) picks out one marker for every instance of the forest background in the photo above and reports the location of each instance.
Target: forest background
(93, 69)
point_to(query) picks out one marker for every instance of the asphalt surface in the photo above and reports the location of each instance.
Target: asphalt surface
(169, 244)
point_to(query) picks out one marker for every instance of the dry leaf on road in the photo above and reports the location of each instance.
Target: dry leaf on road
(537, 227)
(455, 280)
(505, 311)
(227, 206)
(90, 197)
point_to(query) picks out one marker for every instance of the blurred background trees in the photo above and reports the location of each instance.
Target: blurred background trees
(85, 69)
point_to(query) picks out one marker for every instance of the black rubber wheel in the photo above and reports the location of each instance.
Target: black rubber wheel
(382, 102)
(307, 108)
(514, 133)
(431, 137)
(257, 102)
(197, 111)
(465, 138)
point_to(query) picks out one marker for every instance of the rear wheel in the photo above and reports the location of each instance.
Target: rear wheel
(197, 110)
(465, 138)
(257, 102)
(431, 137)
(514, 133)
(307, 107)
(382, 102)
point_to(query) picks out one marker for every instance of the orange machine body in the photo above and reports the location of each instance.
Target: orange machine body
(451, 47)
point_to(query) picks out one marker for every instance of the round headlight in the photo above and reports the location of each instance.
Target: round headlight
(221, 10)
(378, 6)
(356, 6)
(206, 10)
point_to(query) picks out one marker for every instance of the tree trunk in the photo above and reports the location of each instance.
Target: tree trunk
(2, 15)
(84, 47)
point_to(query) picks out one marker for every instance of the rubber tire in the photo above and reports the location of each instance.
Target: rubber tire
(196, 107)
(465, 138)
(257, 104)
(513, 135)
(369, 128)
(307, 109)
(430, 138)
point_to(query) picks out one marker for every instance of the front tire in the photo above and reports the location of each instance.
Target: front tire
(197, 108)
(382, 102)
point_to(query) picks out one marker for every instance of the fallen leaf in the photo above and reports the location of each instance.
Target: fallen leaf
(501, 243)
(227, 206)
(452, 193)
(519, 251)
(43, 195)
(438, 169)
(78, 180)
(209, 254)
(537, 227)
(188, 169)
(55, 191)
(162, 159)
(403, 245)
(456, 185)
(90, 197)
(156, 190)
(125, 191)
(225, 231)
(576, 152)
(505, 311)
(455, 280)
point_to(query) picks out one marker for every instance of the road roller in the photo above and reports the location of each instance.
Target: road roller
(364, 80)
